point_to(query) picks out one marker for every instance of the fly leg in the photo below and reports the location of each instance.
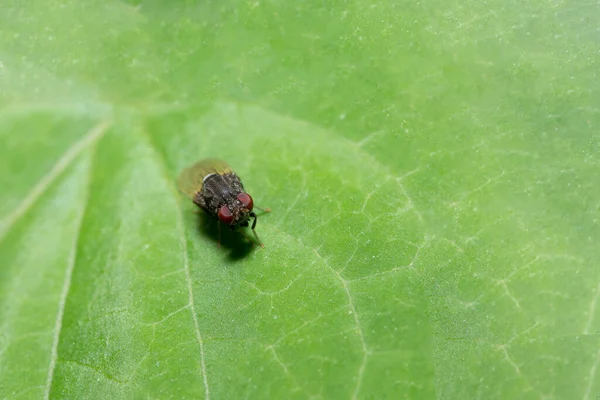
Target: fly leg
(265, 210)
(219, 223)
(253, 215)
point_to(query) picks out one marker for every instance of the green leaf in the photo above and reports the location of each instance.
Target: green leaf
(431, 170)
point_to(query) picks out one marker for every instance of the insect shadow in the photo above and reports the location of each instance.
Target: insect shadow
(234, 242)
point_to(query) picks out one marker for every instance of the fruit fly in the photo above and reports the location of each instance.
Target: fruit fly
(213, 186)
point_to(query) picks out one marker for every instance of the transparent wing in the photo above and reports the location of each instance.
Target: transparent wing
(191, 179)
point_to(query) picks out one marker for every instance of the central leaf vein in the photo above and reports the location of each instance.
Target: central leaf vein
(186, 264)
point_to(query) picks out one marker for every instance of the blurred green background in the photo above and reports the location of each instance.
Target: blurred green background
(432, 168)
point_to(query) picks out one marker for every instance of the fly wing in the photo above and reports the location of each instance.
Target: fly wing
(191, 179)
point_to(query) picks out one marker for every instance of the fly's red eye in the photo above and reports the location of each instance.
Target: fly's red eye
(246, 200)
(225, 215)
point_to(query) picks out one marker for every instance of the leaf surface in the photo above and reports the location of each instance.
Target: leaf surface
(431, 170)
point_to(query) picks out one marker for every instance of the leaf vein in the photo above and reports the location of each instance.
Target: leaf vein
(359, 331)
(67, 283)
(591, 377)
(55, 172)
(186, 263)
(592, 311)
